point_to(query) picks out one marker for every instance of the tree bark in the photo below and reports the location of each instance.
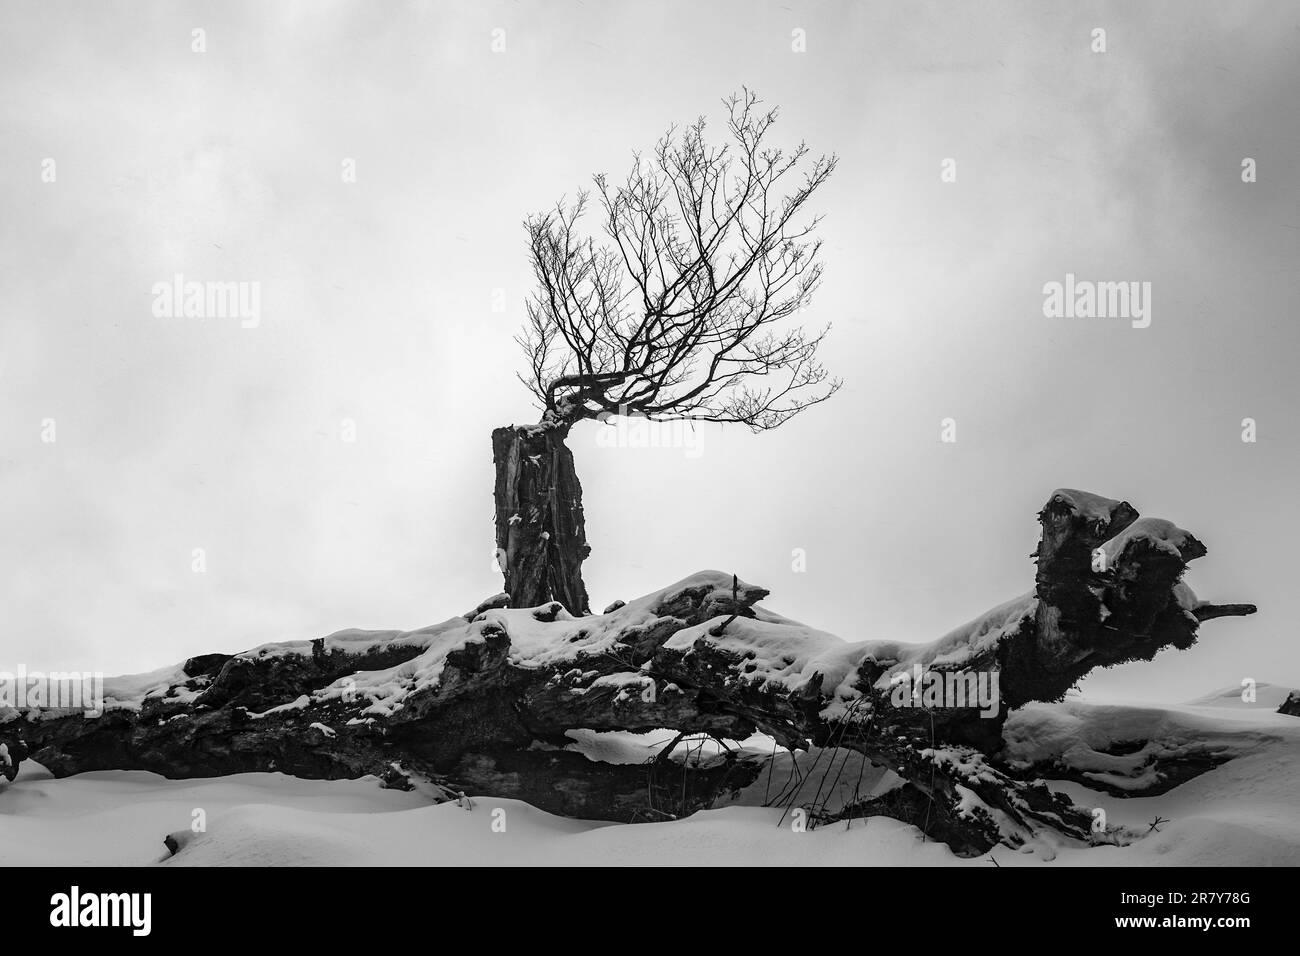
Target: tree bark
(540, 529)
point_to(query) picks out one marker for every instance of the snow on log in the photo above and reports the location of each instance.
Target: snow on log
(489, 702)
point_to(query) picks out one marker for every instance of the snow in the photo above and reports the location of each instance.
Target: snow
(387, 688)
(1161, 534)
(629, 684)
(1186, 597)
(1077, 733)
(1242, 813)
(976, 636)
(795, 655)
(534, 643)
(789, 655)
(1267, 697)
(1093, 507)
(619, 747)
(624, 747)
(356, 641)
(130, 691)
(119, 818)
(297, 704)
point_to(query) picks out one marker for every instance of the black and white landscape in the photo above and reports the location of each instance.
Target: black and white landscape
(523, 433)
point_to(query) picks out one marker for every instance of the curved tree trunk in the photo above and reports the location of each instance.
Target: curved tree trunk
(541, 534)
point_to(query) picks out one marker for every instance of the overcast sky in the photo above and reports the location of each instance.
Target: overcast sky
(377, 306)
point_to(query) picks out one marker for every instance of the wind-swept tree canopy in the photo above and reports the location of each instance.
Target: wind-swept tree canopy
(677, 309)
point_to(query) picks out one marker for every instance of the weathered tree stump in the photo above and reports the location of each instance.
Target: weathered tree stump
(540, 531)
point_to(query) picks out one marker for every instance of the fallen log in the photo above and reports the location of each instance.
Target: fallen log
(486, 703)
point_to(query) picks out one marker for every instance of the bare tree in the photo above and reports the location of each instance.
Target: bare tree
(676, 311)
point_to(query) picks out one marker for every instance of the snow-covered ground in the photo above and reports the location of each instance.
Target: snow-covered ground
(1244, 812)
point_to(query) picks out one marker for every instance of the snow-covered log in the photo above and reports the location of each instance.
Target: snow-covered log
(490, 702)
